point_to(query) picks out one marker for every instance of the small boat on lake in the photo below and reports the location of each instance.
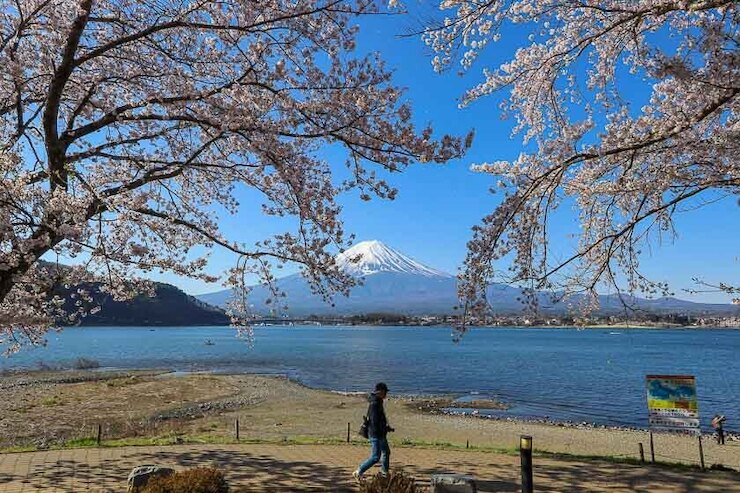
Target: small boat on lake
(209, 343)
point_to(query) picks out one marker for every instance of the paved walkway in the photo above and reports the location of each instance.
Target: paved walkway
(296, 468)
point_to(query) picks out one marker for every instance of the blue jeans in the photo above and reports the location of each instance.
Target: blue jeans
(380, 452)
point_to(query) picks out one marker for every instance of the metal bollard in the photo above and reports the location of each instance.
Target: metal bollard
(525, 453)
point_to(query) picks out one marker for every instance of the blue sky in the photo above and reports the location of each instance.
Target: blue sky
(431, 218)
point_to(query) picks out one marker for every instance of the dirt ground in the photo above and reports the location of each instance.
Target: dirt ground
(43, 409)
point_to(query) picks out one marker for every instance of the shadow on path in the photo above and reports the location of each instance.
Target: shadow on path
(316, 468)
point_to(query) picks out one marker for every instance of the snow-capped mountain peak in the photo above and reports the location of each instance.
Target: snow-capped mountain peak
(369, 257)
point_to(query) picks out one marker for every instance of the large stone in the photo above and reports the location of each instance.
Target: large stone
(140, 475)
(453, 483)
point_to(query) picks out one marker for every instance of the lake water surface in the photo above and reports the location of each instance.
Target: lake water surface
(590, 375)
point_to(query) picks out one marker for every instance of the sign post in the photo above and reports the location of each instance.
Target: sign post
(672, 405)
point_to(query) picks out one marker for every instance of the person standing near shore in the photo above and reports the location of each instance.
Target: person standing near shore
(718, 423)
(377, 431)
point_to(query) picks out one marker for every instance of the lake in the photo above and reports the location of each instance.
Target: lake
(593, 375)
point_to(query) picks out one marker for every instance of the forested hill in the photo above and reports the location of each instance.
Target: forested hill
(169, 306)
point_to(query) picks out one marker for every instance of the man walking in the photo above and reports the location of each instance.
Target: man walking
(377, 430)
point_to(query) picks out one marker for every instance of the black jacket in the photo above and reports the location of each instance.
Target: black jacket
(377, 424)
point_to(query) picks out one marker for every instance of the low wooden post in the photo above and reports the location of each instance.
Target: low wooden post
(348, 428)
(642, 454)
(467, 443)
(701, 454)
(525, 455)
(652, 448)
(236, 428)
(100, 435)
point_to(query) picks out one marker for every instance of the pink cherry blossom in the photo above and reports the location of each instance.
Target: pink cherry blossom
(127, 128)
(626, 168)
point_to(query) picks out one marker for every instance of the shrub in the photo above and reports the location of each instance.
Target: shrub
(198, 480)
(395, 482)
(85, 364)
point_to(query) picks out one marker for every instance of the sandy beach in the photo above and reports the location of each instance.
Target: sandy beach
(50, 409)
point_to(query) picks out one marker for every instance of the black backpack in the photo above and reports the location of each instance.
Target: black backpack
(363, 428)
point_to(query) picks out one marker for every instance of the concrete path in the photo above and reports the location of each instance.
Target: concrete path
(297, 468)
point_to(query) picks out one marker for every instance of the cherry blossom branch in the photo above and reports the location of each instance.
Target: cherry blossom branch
(626, 170)
(127, 128)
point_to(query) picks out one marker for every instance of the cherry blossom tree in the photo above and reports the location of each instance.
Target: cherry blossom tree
(127, 128)
(627, 166)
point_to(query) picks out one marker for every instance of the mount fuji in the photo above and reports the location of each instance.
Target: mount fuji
(395, 283)
(372, 257)
(391, 283)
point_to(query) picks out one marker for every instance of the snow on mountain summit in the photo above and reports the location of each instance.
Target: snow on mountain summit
(374, 256)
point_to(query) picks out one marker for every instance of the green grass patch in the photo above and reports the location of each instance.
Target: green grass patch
(19, 449)
(123, 382)
(80, 443)
(51, 401)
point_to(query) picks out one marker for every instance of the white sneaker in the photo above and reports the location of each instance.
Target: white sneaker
(383, 474)
(356, 474)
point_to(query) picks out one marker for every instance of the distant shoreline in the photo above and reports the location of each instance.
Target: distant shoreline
(409, 325)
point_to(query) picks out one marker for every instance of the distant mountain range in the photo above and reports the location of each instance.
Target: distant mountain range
(396, 283)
